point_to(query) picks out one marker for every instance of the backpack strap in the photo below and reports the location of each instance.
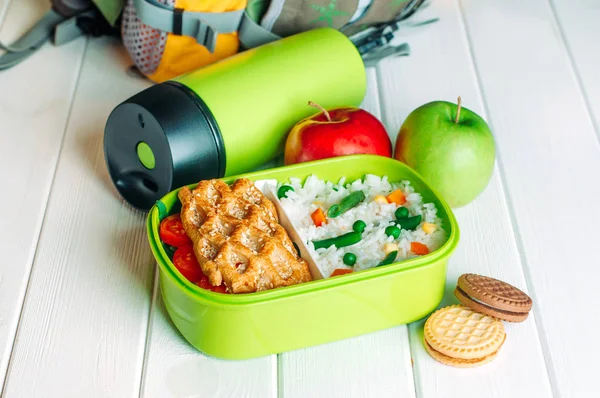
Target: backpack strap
(65, 21)
(31, 41)
(88, 23)
(203, 26)
(253, 35)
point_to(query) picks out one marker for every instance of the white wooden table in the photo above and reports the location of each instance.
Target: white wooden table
(79, 311)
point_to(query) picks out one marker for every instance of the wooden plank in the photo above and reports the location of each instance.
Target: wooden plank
(83, 327)
(579, 26)
(35, 98)
(550, 158)
(374, 365)
(3, 8)
(173, 368)
(440, 68)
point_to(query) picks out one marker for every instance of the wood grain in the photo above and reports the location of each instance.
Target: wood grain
(530, 68)
(85, 316)
(349, 368)
(35, 98)
(4, 4)
(578, 24)
(550, 163)
(173, 368)
(440, 68)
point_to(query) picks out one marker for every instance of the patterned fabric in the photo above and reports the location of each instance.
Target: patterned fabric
(380, 11)
(288, 17)
(144, 44)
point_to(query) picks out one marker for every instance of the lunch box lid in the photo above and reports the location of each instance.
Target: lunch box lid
(160, 139)
(329, 169)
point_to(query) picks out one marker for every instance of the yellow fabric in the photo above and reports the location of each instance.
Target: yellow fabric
(183, 54)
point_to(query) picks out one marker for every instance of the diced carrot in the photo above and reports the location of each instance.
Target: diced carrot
(341, 271)
(396, 197)
(318, 217)
(418, 248)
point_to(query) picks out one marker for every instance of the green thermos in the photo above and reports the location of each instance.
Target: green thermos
(229, 117)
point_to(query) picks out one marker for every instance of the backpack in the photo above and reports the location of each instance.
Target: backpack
(65, 21)
(167, 38)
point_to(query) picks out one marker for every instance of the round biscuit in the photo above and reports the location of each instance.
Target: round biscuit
(459, 363)
(484, 309)
(495, 293)
(460, 332)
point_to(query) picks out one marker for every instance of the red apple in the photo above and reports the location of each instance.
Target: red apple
(336, 132)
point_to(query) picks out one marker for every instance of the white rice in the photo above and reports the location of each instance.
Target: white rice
(305, 199)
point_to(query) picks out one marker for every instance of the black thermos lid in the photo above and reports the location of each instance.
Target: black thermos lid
(160, 139)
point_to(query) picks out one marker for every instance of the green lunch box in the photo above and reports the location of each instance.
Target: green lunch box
(252, 325)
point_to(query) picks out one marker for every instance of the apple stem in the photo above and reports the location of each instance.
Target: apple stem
(327, 115)
(458, 110)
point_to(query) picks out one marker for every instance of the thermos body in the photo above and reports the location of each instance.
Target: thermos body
(229, 117)
(257, 96)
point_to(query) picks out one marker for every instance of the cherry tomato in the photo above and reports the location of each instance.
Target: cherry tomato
(172, 232)
(205, 284)
(186, 263)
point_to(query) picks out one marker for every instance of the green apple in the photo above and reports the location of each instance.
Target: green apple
(451, 147)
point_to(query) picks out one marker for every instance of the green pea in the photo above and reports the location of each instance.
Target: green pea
(392, 231)
(283, 190)
(401, 212)
(359, 226)
(349, 259)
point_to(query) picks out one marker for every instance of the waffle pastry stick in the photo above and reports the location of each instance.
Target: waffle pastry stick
(237, 238)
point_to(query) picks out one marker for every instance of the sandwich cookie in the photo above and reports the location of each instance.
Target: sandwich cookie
(459, 336)
(493, 297)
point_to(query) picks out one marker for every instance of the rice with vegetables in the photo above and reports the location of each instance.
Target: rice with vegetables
(396, 224)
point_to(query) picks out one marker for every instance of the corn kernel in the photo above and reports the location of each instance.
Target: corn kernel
(380, 199)
(429, 227)
(390, 247)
